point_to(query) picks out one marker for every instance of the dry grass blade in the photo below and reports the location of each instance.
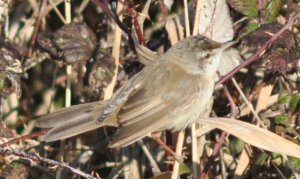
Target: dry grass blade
(263, 97)
(262, 103)
(145, 55)
(179, 147)
(271, 101)
(174, 29)
(116, 55)
(242, 165)
(255, 135)
(197, 16)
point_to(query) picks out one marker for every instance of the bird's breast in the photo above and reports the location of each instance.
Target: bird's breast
(191, 104)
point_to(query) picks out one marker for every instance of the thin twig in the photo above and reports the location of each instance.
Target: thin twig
(22, 154)
(68, 92)
(176, 156)
(153, 163)
(260, 52)
(248, 103)
(213, 155)
(37, 26)
(24, 137)
(58, 12)
(104, 6)
(221, 140)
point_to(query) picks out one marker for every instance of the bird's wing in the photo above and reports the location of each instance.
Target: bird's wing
(81, 118)
(135, 84)
(146, 112)
(133, 108)
(139, 116)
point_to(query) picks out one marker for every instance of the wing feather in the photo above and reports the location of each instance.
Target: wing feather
(131, 133)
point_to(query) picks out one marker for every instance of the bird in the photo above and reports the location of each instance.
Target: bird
(171, 93)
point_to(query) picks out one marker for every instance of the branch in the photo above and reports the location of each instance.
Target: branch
(260, 52)
(22, 154)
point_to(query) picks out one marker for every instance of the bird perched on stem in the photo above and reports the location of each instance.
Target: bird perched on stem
(171, 93)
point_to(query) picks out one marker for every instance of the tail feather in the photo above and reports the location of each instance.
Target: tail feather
(74, 120)
(71, 128)
(65, 114)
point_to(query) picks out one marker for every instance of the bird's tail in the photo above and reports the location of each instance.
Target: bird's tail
(73, 120)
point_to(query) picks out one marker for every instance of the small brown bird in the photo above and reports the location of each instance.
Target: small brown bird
(169, 94)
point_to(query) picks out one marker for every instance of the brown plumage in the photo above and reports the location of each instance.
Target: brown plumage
(169, 94)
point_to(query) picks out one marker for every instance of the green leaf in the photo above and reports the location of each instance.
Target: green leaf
(284, 98)
(276, 159)
(259, 163)
(295, 163)
(295, 99)
(281, 119)
(184, 168)
(252, 27)
(261, 159)
(246, 7)
(272, 9)
(237, 145)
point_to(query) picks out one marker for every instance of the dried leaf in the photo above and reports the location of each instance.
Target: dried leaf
(5, 132)
(261, 35)
(18, 169)
(279, 61)
(101, 75)
(72, 43)
(255, 135)
(10, 69)
(246, 7)
(14, 86)
(145, 55)
(215, 21)
(168, 3)
(229, 60)
(143, 15)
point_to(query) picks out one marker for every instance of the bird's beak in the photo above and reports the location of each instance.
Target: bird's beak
(227, 45)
